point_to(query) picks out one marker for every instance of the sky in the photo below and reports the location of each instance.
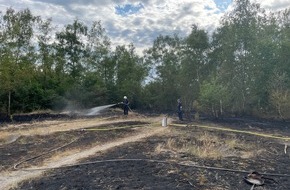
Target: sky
(136, 21)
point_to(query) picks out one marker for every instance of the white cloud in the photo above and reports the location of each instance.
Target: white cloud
(273, 4)
(156, 17)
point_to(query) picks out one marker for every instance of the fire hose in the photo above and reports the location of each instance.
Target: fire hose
(86, 129)
(234, 130)
(157, 161)
(171, 163)
(126, 104)
(34, 157)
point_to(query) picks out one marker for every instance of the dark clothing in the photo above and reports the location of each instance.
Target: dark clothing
(179, 111)
(126, 106)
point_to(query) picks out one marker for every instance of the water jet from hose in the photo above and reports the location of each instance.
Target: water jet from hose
(97, 110)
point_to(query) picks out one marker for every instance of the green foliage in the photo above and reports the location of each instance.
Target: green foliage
(279, 93)
(17, 56)
(214, 98)
(194, 67)
(243, 67)
(164, 59)
(72, 49)
(130, 73)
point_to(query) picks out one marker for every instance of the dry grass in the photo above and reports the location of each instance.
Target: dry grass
(49, 127)
(208, 145)
(72, 156)
(201, 179)
(159, 148)
(6, 138)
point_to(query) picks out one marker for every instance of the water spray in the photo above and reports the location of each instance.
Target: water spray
(97, 110)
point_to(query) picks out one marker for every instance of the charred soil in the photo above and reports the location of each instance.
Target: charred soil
(181, 157)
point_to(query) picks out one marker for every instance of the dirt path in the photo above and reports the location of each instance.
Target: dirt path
(10, 179)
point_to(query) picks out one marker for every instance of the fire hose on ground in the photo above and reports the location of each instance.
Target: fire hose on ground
(156, 161)
(85, 129)
(254, 183)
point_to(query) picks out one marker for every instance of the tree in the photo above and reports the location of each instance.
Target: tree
(46, 62)
(17, 57)
(164, 61)
(100, 66)
(194, 67)
(279, 93)
(70, 63)
(71, 46)
(235, 51)
(213, 98)
(130, 73)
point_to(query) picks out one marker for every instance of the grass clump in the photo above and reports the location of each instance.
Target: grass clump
(206, 145)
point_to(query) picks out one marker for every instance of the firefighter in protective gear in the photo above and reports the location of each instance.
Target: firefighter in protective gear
(126, 105)
(179, 110)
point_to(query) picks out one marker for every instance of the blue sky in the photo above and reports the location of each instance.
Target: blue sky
(223, 4)
(128, 9)
(136, 21)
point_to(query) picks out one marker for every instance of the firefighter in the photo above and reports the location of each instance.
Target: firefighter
(126, 105)
(179, 109)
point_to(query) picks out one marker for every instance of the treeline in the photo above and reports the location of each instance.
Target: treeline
(243, 67)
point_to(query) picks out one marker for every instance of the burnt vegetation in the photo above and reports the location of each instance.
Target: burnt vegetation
(185, 157)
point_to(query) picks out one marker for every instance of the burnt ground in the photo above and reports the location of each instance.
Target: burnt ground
(162, 169)
(26, 147)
